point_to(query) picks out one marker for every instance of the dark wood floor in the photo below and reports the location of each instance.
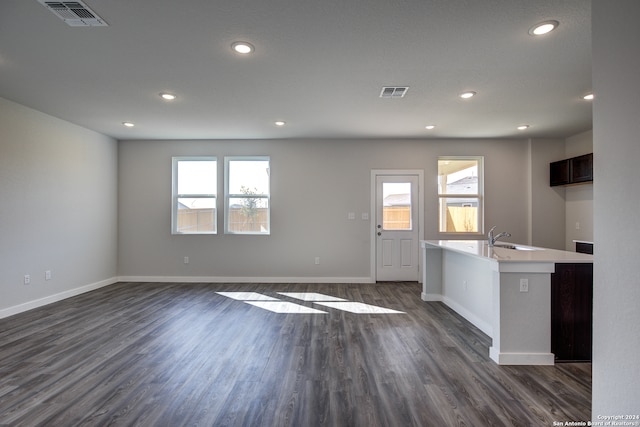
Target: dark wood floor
(179, 354)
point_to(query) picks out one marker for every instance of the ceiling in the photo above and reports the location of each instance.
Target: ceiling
(319, 66)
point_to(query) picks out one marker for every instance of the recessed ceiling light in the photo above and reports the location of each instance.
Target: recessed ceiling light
(429, 127)
(167, 96)
(128, 124)
(588, 97)
(467, 95)
(280, 123)
(242, 47)
(543, 28)
(523, 127)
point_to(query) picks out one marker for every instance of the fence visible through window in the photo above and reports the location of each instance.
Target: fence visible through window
(396, 217)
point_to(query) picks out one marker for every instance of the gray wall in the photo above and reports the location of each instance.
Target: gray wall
(616, 134)
(315, 183)
(547, 203)
(92, 210)
(58, 186)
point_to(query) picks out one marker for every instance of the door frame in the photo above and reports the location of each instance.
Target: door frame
(372, 238)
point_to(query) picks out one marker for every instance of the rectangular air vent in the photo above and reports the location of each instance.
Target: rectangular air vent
(74, 13)
(394, 91)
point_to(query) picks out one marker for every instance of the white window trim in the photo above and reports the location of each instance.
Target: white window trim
(228, 196)
(175, 196)
(479, 196)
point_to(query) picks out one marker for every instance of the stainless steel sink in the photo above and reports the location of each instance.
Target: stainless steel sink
(516, 247)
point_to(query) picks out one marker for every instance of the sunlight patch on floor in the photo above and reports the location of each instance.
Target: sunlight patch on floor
(310, 296)
(358, 307)
(285, 307)
(278, 306)
(247, 296)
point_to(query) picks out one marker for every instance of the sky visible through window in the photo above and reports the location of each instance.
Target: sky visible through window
(197, 177)
(252, 174)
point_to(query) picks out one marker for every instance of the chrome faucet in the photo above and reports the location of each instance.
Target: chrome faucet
(493, 239)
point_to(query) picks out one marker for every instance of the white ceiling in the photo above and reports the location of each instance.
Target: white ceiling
(319, 65)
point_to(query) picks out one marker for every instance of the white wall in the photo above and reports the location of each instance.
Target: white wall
(315, 183)
(579, 198)
(572, 205)
(548, 203)
(58, 212)
(616, 143)
(468, 288)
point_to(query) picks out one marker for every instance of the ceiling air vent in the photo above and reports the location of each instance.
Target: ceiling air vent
(74, 13)
(394, 91)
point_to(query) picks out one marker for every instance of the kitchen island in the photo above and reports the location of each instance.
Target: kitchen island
(504, 290)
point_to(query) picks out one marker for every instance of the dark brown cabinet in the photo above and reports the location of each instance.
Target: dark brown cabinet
(571, 171)
(572, 312)
(582, 168)
(559, 173)
(584, 247)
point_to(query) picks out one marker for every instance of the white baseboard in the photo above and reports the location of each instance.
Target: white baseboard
(430, 297)
(471, 317)
(521, 358)
(16, 309)
(218, 279)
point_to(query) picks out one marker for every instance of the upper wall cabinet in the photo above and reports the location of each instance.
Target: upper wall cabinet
(571, 171)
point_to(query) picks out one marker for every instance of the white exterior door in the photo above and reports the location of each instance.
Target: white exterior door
(397, 227)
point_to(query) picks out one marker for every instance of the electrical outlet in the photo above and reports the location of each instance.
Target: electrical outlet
(524, 285)
(186, 260)
(47, 275)
(317, 260)
(27, 279)
(351, 215)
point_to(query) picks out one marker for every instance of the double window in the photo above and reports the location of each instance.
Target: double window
(246, 195)
(460, 188)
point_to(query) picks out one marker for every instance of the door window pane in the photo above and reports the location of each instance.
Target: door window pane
(396, 209)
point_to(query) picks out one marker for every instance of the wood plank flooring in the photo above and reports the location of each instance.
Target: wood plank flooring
(151, 354)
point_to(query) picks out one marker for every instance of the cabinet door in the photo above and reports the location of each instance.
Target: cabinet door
(571, 312)
(559, 173)
(582, 168)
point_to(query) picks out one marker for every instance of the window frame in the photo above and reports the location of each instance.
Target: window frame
(228, 196)
(175, 196)
(479, 196)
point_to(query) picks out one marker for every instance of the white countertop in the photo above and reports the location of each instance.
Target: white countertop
(481, 249)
